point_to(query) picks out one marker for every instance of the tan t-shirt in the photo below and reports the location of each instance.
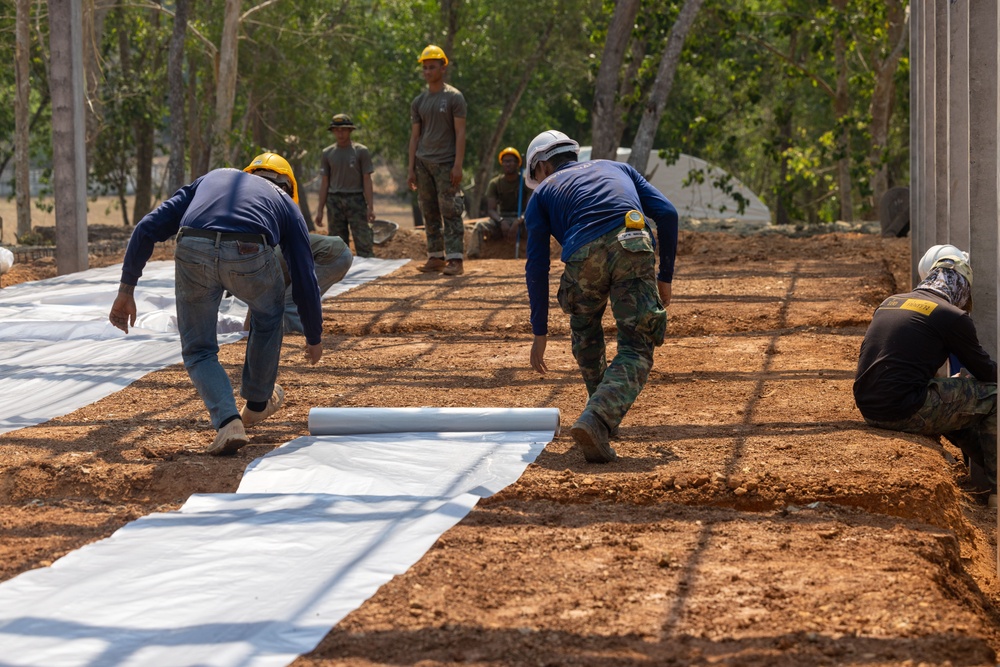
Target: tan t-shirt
(436, 114)
(345, 168)
(505, 192)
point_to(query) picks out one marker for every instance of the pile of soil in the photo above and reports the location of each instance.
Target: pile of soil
(752, 519)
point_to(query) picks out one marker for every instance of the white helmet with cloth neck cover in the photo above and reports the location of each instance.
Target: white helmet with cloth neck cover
(937, 252)
(543, 147)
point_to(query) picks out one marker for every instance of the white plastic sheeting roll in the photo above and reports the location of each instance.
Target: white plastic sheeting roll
(349, 421)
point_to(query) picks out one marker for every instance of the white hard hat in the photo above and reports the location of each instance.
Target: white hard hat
(543, 147)
(937, 252)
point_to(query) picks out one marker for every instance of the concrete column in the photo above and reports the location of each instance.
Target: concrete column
(917, 216)
(68, 152)
(941, 57)
(928, 174)
(984, 172)
(958, 124)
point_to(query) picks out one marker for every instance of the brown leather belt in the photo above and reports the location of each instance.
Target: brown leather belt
(218, 237)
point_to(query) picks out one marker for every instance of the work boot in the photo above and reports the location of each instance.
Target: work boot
(251, 417)
(453, 267)
(433, 265)
(592, 435)
(229, 439)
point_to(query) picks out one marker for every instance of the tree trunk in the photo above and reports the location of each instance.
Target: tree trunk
(841, 107)
(603, 122)
(175, 86)
(145, 133)
(200, 149)
(883, 95)
(490, 150)
(449, 16)
(94, 14)
(653, 110)
(228, 62)
(22, 173)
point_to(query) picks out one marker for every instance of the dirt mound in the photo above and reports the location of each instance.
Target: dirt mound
(753, 518)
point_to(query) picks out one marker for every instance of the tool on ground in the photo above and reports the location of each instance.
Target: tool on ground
(383, 230)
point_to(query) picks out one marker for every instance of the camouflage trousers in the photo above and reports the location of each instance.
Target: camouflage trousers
(964, 410)
(348, 214)
(332, 260)
(622, 271)
(441, 205)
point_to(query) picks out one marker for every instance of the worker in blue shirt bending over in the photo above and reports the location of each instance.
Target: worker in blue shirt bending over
(227, 223)
(599, 212)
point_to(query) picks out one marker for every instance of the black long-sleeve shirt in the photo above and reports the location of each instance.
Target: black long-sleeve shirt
(910, 337)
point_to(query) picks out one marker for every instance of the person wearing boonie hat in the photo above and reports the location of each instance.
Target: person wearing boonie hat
(346, 188)
(898, 385)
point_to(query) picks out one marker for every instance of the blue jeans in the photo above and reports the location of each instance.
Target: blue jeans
(250, 271)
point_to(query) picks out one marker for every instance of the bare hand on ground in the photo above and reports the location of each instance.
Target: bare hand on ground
(538, 354)
(665, 291)
(123, 312)
(314, 353)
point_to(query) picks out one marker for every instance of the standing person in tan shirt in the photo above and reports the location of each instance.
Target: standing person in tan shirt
(437, 151)
(347, 188)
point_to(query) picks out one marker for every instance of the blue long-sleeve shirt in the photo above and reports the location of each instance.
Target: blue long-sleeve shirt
(581, 202)
(229, 200)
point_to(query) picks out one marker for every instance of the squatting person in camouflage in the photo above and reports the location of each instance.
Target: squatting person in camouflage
(436, 154)
(597, 211)
(910, 337)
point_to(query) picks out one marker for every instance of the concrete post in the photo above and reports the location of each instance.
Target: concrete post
(984, 172)
(958, 125)
(917, 182)
(928, 174)
(941, 127)
(68, 150)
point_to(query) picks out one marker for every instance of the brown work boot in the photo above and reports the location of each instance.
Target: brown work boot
(251, 417)
(433, 264)
(453, 267)
(591, 435)
(229, 439)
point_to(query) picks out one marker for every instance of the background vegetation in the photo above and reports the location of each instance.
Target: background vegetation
(803, 100)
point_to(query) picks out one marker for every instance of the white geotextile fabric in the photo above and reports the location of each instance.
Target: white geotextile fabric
(256, 578)
(58, 352)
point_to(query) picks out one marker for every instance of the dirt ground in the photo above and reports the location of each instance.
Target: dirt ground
(753, 518)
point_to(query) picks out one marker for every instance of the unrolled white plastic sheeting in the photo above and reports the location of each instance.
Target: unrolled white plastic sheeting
(58, 352)
(256, 578)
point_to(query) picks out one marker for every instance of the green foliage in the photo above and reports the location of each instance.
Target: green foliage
(752, 93)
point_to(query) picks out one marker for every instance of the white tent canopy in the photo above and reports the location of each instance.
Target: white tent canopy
(702, 198)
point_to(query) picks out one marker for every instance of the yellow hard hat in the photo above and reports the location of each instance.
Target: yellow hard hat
(272, 163)
(510, 150)
(432, 53)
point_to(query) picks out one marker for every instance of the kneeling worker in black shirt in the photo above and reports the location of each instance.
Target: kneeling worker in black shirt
(910, 338)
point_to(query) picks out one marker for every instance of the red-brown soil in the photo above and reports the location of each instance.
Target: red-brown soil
(753, 518)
